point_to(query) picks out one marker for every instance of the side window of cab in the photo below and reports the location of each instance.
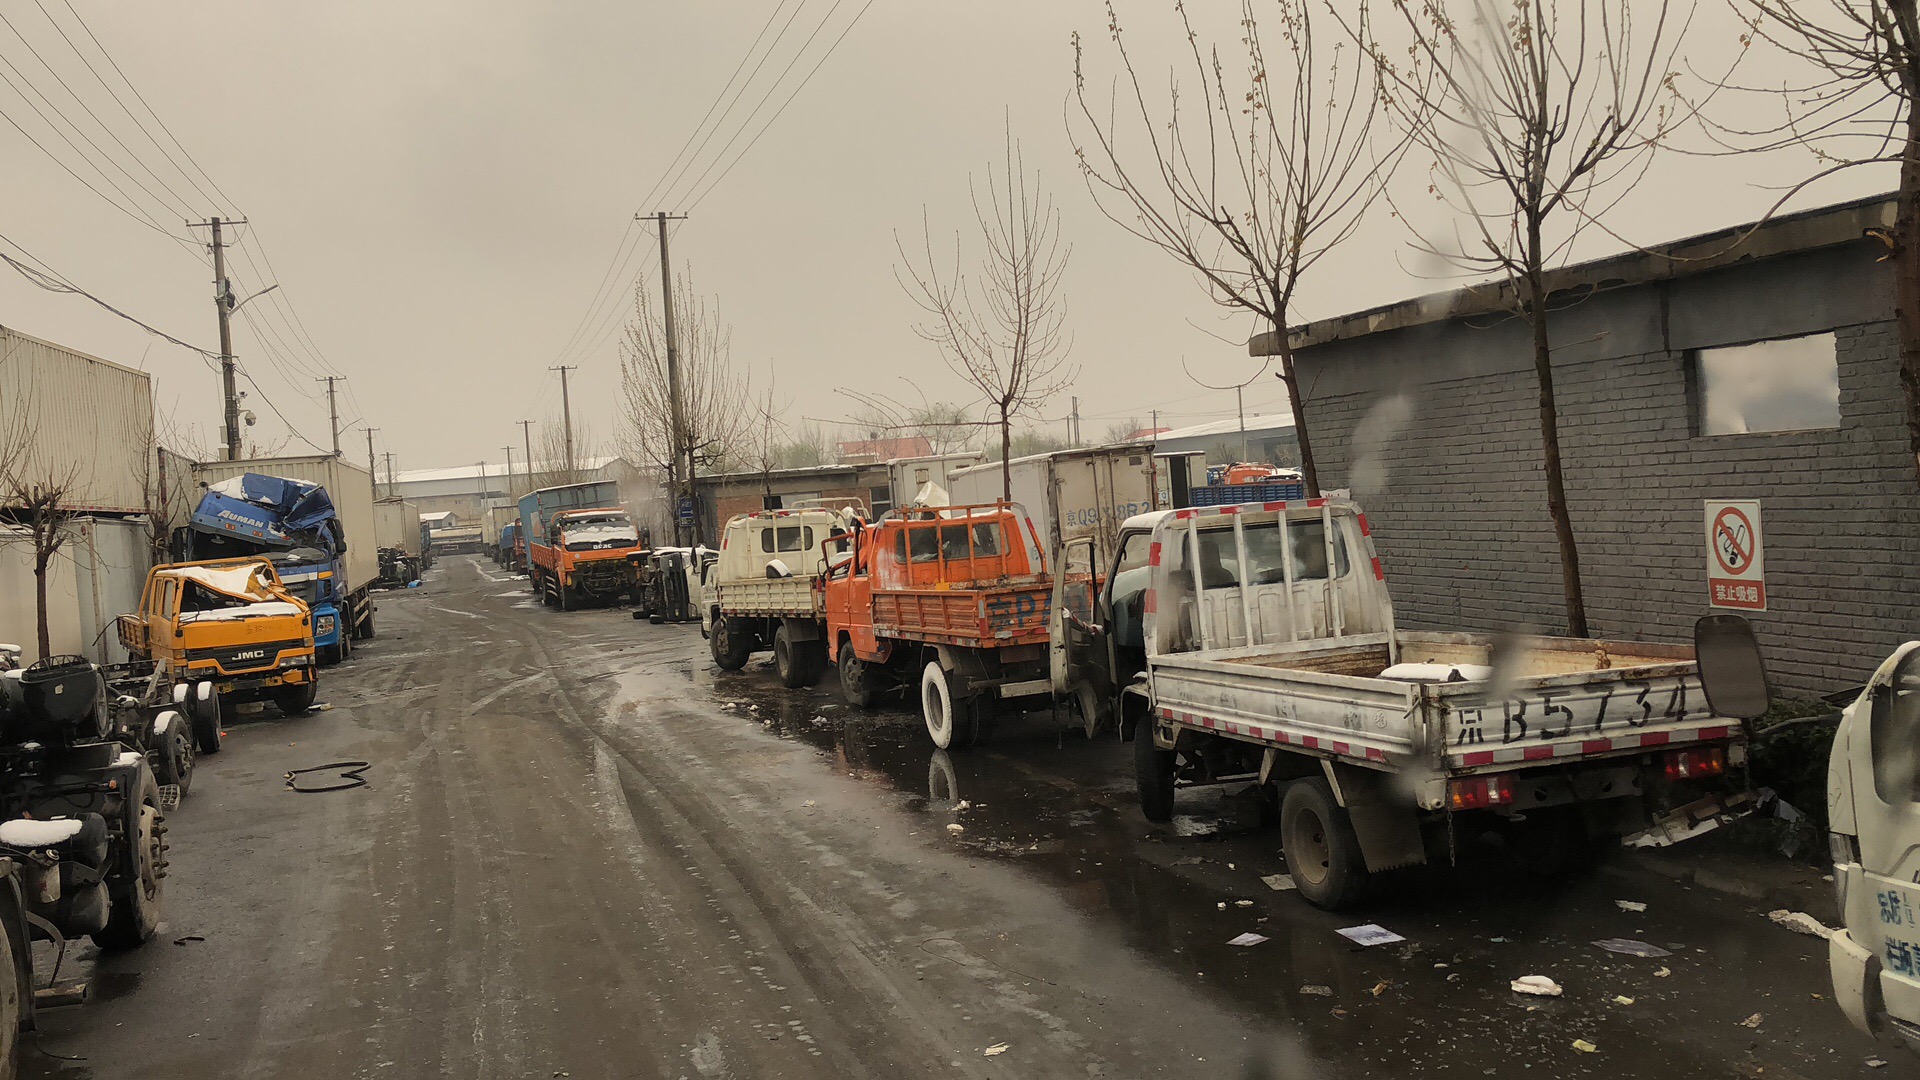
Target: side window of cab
(1895, 734)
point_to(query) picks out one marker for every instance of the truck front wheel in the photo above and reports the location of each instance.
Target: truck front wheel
(295, 700)
(729, 644)
(793, 660)
(135, 915)
(569, 600)
(1323, 854)
(856, 678)
(1153, 774)
(204, 711)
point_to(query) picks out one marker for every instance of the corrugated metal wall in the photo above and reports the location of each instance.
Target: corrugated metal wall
(75, 420)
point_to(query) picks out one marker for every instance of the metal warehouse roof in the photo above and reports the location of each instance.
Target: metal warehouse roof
(1808, 230)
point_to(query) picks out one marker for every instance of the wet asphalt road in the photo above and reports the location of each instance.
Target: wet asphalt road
(585, 852)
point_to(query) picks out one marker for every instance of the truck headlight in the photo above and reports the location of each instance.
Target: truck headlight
(296, 661)
(323, 626)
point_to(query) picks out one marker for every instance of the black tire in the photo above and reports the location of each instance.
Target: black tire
(1152, 774)
(139, 883)
(730, 647)
(173, 757)
(365, 631)
(328, 655)
(296, 700)
(1323, 854)
(569, 600)
(793, 660)
(953, 722)
(856, 678)
(205, 716)
(13, 1006)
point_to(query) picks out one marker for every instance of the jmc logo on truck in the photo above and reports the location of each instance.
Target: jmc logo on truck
(1736, 563)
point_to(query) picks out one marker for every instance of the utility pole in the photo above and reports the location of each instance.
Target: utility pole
(482, 515)
(566, 416)
(510, 492)
(223, 305)
(373, 467)
(526, 436)
(681, 445)
(1073, 425)
(333, 410)
(390, 486)
(1240, 404)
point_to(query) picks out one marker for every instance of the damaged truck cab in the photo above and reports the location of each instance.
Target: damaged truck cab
(230, 624)
(1256, 644)
(581, 557)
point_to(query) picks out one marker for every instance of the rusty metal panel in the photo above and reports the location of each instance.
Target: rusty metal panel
(76, 421)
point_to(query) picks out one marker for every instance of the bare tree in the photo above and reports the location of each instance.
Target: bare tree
(1254, 188)
(35, 489)
(714, 413)
(1858, 109)
(1539, 115)
(1122, 430)
(999, 328)
(805, 445)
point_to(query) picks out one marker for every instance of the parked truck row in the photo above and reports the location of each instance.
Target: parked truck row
(1249, 643)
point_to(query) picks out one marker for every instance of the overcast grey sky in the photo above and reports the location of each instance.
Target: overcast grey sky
(441, 186)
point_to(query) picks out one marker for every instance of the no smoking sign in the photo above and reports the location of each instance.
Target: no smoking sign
(1736, 561)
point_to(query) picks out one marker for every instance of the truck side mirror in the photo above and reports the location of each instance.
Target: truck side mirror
(1731, 670)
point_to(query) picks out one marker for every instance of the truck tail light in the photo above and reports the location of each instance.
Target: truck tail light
(1477, 792)
(1685, 764)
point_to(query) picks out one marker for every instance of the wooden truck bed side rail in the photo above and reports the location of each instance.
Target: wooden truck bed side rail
(983, 617)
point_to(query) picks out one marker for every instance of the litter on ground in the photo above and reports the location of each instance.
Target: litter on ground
(995, 1050)
(1631, 905)
(1245, 940)
(1279, 882)
(1751, 1021)
(1536, 985)
(1630, 947)
(1663, 973)
(956, 827)
(1585, 1047)
(1370, 934)
(1243, 903)
(1316, 990)
(1622, 999)
(1801, 923)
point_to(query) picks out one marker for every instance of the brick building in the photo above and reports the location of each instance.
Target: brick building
(1722, 367)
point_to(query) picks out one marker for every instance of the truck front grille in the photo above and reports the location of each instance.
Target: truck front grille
(234, 659)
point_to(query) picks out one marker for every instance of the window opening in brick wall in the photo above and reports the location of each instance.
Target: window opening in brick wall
(1786, 384)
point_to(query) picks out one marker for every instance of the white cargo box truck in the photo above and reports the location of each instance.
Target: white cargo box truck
(909, 480)
(1072, 493)
(396, 524)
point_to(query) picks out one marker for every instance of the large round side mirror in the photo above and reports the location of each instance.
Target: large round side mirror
(1731, 669)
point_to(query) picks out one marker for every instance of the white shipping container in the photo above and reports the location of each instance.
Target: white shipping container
(1071, 493)
(906, 477)
(76, 420)
(396, 524)
(349, 486)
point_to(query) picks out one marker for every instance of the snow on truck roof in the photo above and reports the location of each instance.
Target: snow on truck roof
(240, 580)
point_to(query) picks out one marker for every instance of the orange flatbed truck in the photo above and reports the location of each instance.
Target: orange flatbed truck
(953, 600)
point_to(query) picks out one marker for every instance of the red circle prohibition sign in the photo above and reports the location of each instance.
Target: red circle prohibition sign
(1733, 541)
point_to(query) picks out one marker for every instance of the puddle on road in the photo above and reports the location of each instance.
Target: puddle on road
(1064, 810)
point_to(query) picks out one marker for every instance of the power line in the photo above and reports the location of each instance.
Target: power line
(47, 278)
(783, 105)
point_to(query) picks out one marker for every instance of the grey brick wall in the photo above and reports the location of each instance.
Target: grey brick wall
(1461, 519)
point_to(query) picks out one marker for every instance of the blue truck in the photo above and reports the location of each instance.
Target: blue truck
(313, 516)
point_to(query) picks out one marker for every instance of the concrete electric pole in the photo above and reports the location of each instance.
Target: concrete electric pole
(223, 305)
(680, 444)
(333, 411)
(566, 416)
(526, 438)
(510, 492)
(373, 466)
(390, 488)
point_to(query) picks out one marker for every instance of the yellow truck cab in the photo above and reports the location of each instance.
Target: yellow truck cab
(230, 623)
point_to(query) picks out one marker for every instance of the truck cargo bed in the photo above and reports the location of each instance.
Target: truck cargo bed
(986, 616)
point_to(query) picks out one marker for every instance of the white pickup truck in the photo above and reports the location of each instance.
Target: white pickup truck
(759, 594)
(1382, 748)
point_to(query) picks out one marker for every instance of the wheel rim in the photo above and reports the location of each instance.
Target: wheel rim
(936, 708)
(783, 655)
(1308, 854)
(850, 674)
(149, 851)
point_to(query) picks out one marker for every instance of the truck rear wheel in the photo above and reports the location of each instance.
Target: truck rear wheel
(856, 678)
(730, 645)
(136, 894)
(1153, 774)
(793, 660)
(952, 722)
(1323, 854)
